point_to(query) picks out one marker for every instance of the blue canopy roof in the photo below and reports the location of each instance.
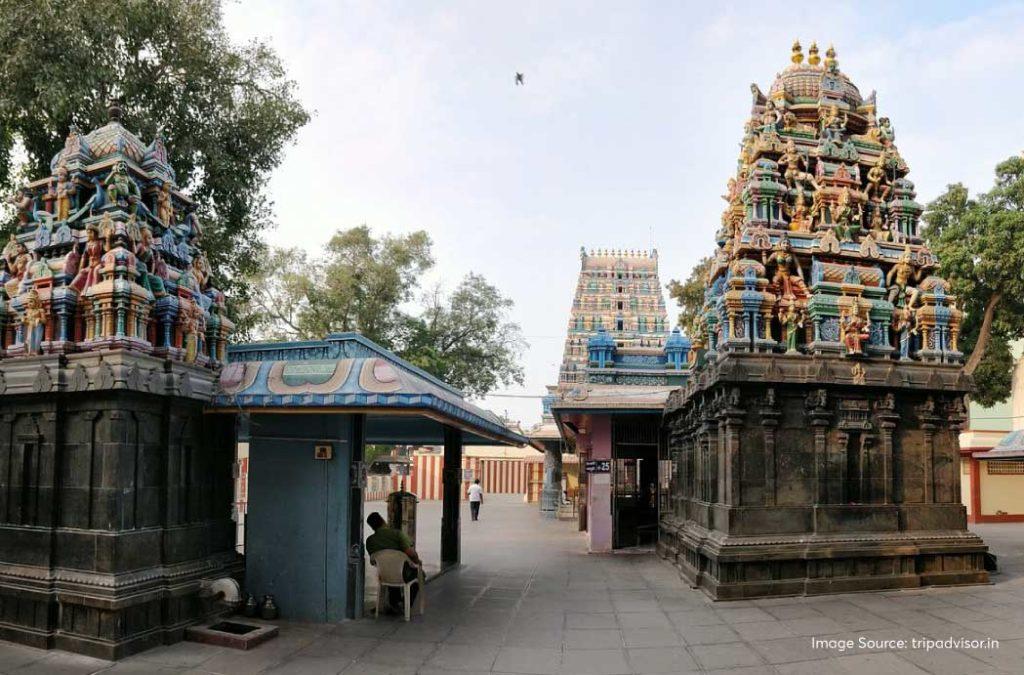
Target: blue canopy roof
(1011, 446)
(348, 373)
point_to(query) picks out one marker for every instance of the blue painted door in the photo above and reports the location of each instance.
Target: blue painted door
(296, 528)
(286, 546)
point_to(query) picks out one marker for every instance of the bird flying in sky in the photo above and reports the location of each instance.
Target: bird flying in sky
(519, 79)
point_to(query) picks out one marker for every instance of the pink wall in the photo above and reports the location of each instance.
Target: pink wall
(599, 490)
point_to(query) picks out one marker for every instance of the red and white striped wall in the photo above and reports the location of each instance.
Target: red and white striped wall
(513, 475)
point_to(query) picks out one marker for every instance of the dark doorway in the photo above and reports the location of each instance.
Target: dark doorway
(635, 481)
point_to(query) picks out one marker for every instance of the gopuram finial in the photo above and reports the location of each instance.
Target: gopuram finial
(114, 111)
(830, 58)
(798, 53)
(812, 54)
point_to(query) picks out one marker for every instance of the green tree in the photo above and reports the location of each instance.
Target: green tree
(226, 110)
(368, 284)
(363, 281)
(690, 296)
(980, 243)
(274, 307)
(464, 338)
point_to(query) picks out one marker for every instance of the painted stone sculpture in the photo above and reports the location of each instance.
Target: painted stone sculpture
(102, 260)
(815, 447)
(111, 335)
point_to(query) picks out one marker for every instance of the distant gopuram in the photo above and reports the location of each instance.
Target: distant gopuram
(115, 489)
(815, 449)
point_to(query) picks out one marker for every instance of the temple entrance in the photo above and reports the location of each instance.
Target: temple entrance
(634, 482)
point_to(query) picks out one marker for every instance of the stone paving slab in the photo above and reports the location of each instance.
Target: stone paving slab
(529, 600)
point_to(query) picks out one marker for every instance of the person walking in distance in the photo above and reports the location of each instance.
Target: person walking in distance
(476, 498)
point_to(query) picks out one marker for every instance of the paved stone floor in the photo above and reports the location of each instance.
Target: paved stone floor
(530, 600)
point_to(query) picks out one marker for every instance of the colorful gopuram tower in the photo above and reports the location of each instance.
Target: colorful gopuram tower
(620, 292)
(115, 489)
(815, 447)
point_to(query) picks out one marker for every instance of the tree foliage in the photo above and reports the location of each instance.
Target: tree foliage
(362, 281)
(690, 297)
(226, 110)
(464, 338)
(980, 244)
(368, 284)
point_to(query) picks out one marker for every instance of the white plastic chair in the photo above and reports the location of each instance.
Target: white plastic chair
(390, 564)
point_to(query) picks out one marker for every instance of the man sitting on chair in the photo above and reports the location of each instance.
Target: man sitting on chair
(388, 538)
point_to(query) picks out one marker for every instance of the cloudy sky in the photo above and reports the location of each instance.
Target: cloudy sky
(623, 136)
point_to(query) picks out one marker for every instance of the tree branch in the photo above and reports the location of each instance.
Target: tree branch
(984, 333)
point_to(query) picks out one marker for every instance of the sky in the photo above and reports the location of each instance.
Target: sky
(623, 136)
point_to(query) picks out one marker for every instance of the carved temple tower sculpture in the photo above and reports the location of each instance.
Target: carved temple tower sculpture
(816, 448)
(115, 490)
(618, 291)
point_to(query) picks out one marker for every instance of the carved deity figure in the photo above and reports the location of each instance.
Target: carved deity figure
(831, 122)
(791, 320)
(879, 230)
(885, 132)
(107, 230)
(146, 256)
(845, 217)
(201, 270)
(771, 117)
(34, 322)
(192, 331)
(66, 191)
(854, 331)
(89, 267)
(904, 327)
(876, 189)
(71, 262)
(194, 227)
(789, 278)
(38, 268)
(120, 186)
(800, 220)
(18, 268)
(12, 249)
(898, 280)
(164, 205)
(23, 203)
(793, 161)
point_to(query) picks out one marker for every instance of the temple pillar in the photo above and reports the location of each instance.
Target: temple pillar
(451, 484)
(551, 492)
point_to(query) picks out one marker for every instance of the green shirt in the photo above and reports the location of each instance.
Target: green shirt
(387, 538)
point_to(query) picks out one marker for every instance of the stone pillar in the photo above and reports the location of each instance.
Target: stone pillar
(451, 483)
(732, 422)
(885, 412)
(820, 421)
(551, 492)
(116, 496)
(929, 423)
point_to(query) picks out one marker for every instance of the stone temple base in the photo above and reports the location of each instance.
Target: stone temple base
(115, 501)
(800, 476)
(740, 567)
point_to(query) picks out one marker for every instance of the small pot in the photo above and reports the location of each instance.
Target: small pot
(268, 610)
(251, 607)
